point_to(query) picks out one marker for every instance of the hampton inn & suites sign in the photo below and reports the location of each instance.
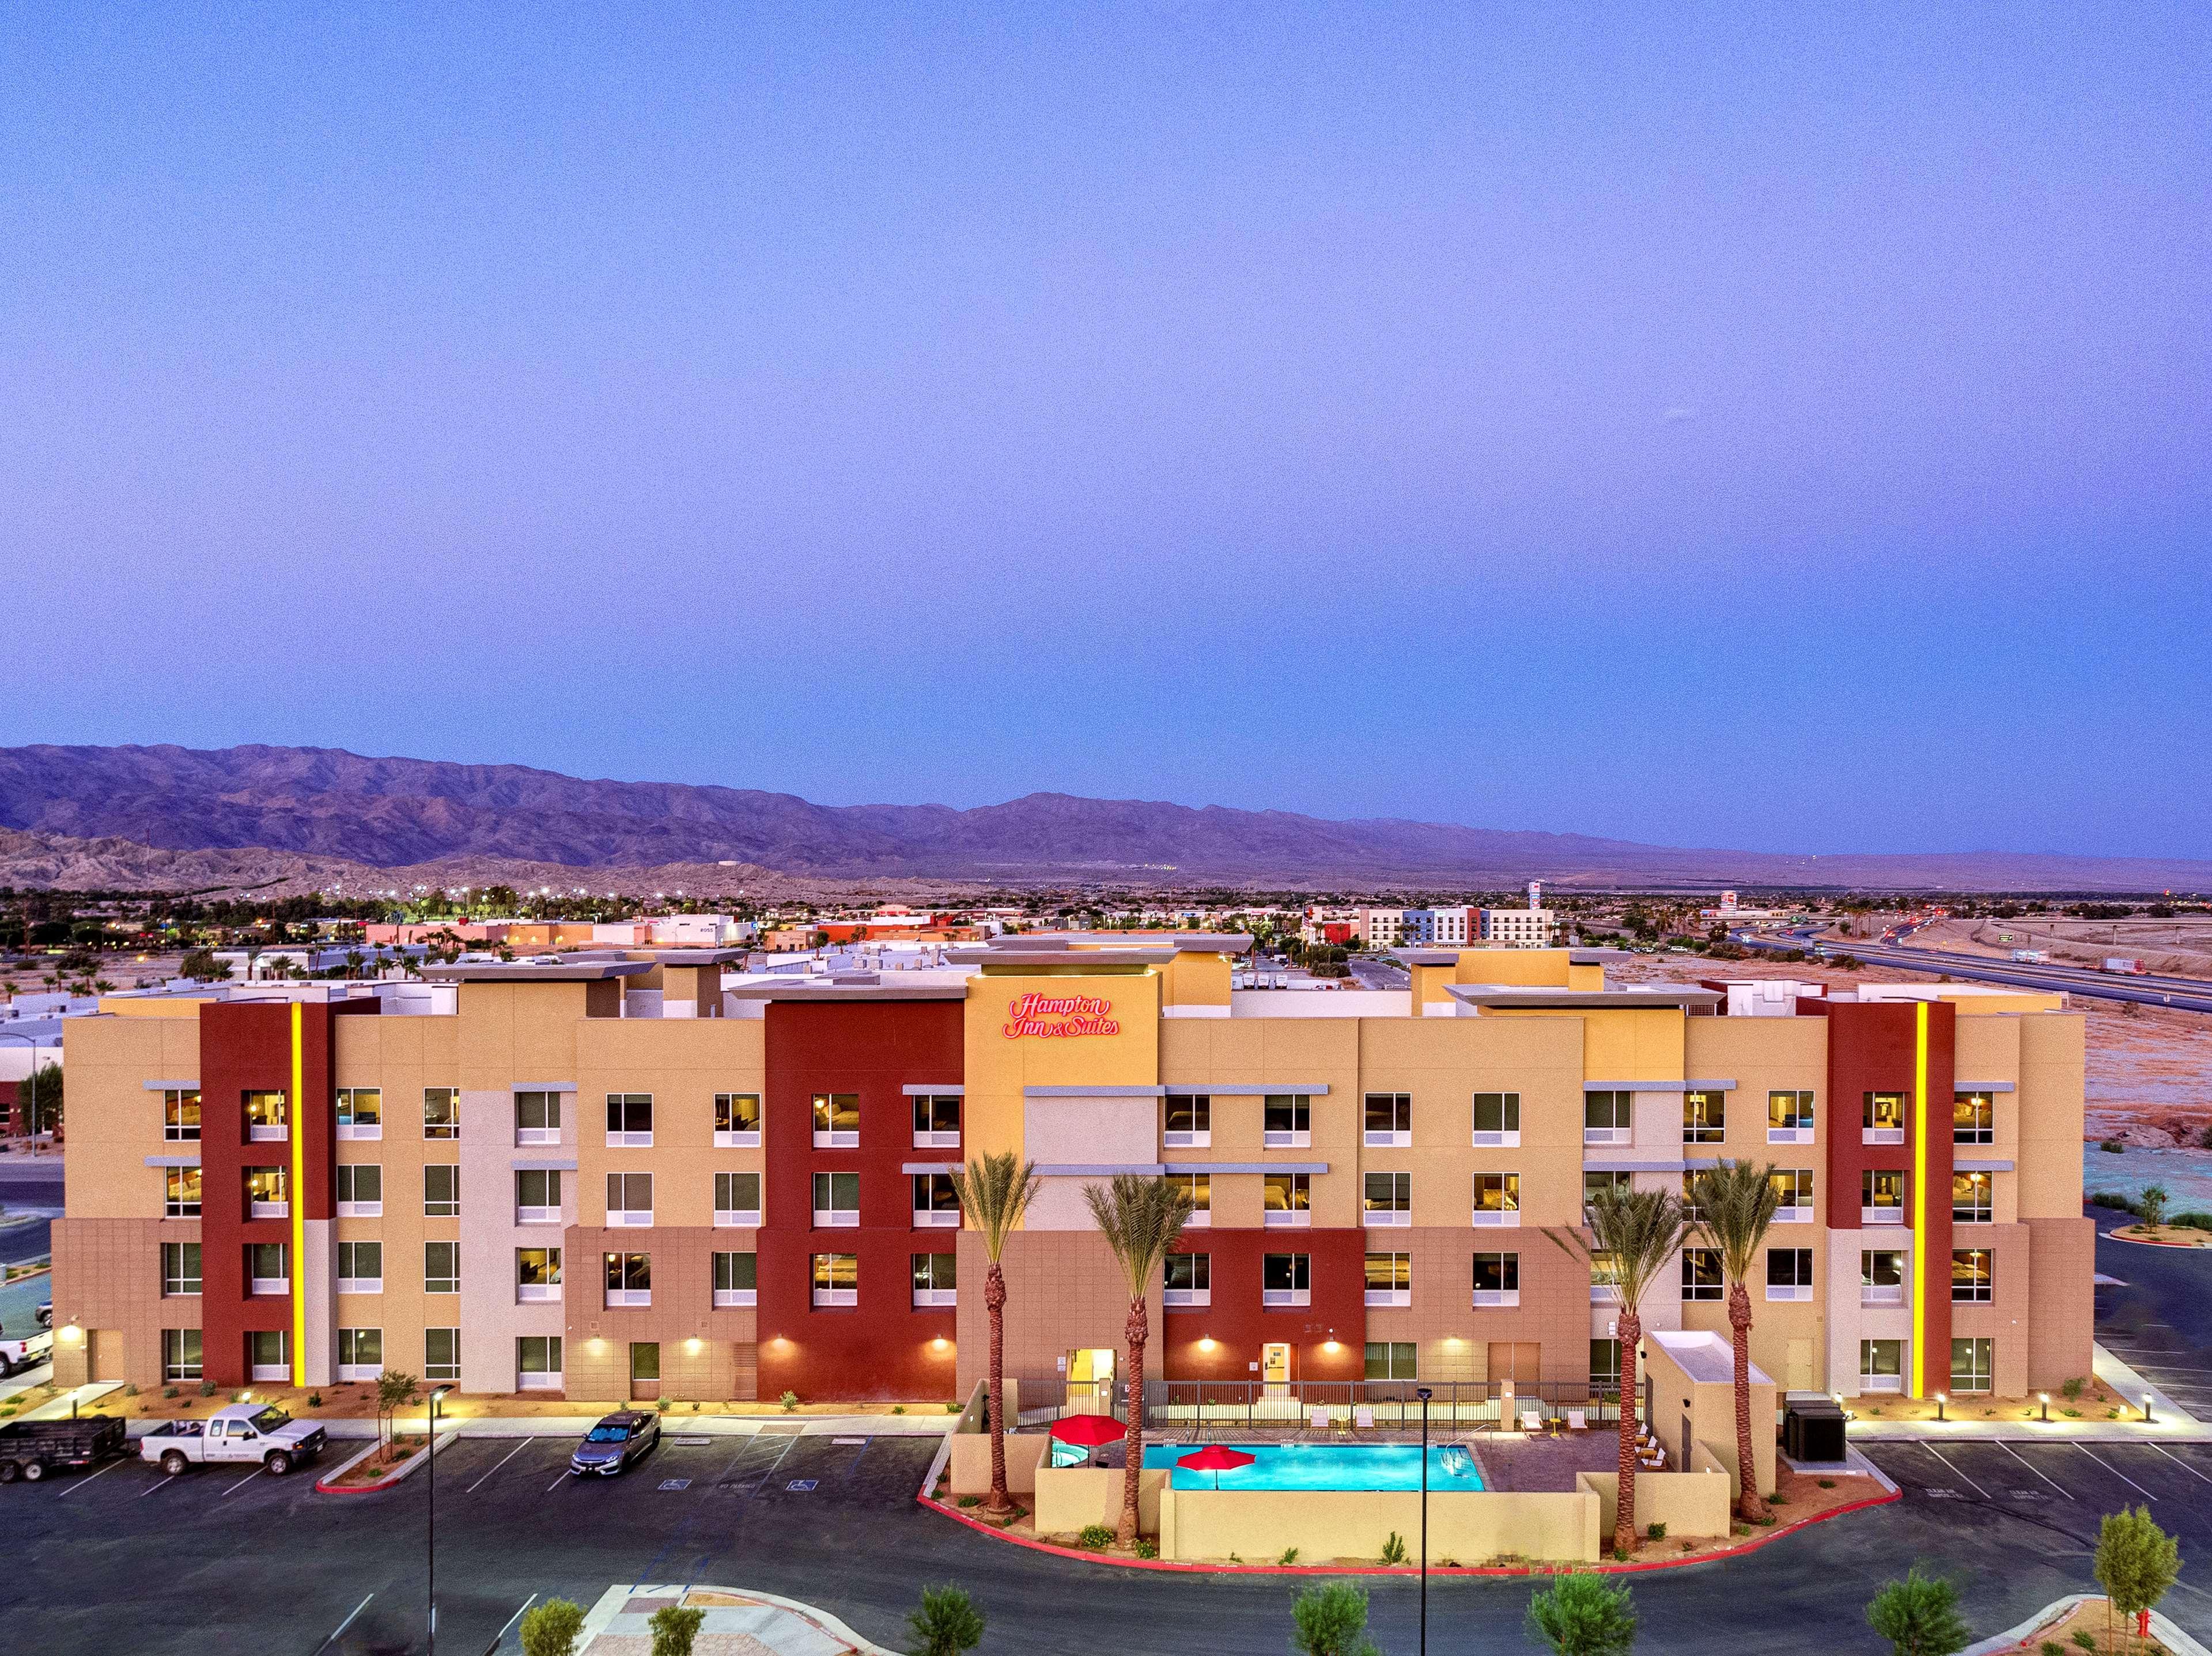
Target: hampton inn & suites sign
(1052, 1016)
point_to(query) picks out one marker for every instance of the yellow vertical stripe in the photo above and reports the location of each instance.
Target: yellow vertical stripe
(298, 1135)
(1920, 1113)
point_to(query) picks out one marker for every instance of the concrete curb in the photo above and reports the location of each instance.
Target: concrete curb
(327, 1485)
(2024, 1637)
(2148, 1242)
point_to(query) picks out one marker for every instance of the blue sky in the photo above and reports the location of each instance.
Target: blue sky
(1784, 428)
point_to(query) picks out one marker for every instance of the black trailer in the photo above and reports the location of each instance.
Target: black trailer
(30, 1449)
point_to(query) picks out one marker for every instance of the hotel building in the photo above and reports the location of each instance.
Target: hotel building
(638, 1174)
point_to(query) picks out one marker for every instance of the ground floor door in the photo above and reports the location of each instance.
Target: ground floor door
(1800, 1366)
(644, 1370)
(1275, 1371)
(1521, 1362)
(1091, 1380)
(105, 1359)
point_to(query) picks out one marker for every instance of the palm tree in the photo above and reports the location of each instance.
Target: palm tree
(1142, 1217)
(1633, 1234)
(994, 1191)
(1735, 1204)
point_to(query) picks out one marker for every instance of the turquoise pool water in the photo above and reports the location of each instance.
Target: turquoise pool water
(1327, 1466)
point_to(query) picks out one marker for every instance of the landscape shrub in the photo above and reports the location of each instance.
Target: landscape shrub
(551, 1629)
(1393, 1549)
(674, 1629)
(1093, 1536)
(1583, 1616)
(947, 1623)
(1331, 1621)
(2112, 1199)
(1919, 1615)
(790, 1401)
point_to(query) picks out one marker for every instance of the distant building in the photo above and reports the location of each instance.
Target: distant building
(1519, 928)
(1443, 928)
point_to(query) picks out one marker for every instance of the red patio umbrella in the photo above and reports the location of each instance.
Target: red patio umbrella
(1089, 1431)
(1217, 1458)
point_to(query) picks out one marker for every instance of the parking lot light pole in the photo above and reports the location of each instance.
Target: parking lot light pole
(1425, 1393)
(430, 1531)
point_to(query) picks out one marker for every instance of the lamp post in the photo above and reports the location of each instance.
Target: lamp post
(1425, 1393)
(430, 1531)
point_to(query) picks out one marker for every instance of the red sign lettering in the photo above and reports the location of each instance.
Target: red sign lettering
(1053, 1016)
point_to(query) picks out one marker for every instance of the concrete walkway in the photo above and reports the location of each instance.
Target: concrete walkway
(673, 1426)
(2169, 1421)
(739, 1622)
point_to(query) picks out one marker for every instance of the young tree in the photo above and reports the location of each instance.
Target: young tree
(947, 1623)
(2151, 1205)
(1735, 1204)
(1919, 1615)
(1331, 1620)
(1583, 1616)
(395, 1390)
(674, 1627)
(40, 1093)
(1142, 1219)
(2137, 1562)
(993, 1192)
(1633, 1235)
(552, 1627)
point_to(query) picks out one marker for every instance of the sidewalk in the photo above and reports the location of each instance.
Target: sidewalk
(739, 1620)
(363, 1428)
(2169, 1421)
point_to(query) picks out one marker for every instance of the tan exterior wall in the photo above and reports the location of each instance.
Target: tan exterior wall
(1709, 1409)
(115, 1122)
(706, 1353)
(2049, 1108)
(1070, 1497)
(997, 1069)
(970, 1464)
(1463, 1528)
(1689, 1503)
(1063, 1291)
(2062, 1329)
(1454, 1339)
(108, 1287)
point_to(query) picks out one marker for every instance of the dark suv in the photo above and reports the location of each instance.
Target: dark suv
(616, 1440)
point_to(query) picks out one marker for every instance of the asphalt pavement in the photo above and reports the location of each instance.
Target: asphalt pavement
(2159, 1322)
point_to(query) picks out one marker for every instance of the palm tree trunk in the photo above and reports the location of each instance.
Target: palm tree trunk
(1624, 1504)
(994, 1301)
(1749, 1502)
(1132, 1440)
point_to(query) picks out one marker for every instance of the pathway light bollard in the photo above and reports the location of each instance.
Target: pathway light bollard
(2043, 1397)
(2146, 1409)
(1942, 1397)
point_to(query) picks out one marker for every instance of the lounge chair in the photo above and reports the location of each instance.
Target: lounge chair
(1362, 1418)
(1577, 1420)
(1319, 1420)
(1532, 1422)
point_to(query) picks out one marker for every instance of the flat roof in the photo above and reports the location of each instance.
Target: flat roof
(819, 989)
(1061, 957)
(532, 972)
(1450, 957)
(1179, 942)
(1516, 994)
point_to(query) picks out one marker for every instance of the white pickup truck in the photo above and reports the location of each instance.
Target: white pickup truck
(243, 1432)
(25, 1350)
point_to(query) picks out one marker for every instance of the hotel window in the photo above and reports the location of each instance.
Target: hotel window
(738, 1199)
(1390, 1119)
(181, 1115)
(268, 1267)
(538, 1362)
(441, 1268)
(644, 1360)
(1497, 1119)
(361, 1354)
(266, 1114)
(1973, 1118)
(1390, 1360)
(1286, 1121)
(1188, 1280)
(269, 1355)
(1790, 1117)
(441, 1190)
(1200, 1188)
(180, 1354)
(630, 1198)
(360, 1190)
(737, 1279)
(1389, 1279)
(936, 1121)
(1187, 1121)
(1605, 1364)
(1286, 1199)
(1690, 1209)
(1386, 1199)
(1701, 1274)
(1704, 1118)
(1497, 1279)
(537, 1273)
(536, 1118)
(836, 1121)
(1881, 1196)
(1881, 1277)
(1790, 1273)
(1972, 1363)
(836, 1200)
(737, 1121)
(441, 1112)
(267, 1193)
(936, 1204)
(1971, 1276)
(936, 1281)
(441, 1353)
(1882, 1121)
(1793, 1194)
(538, 1196)
(1881, 1365)
(180, 1268)
(628, 1279)
(629, 1121)
(1595, 1184)
(1603, 1290)
(360, 1113)
(1285, 1279)
(1970, 1199)
(1498, 1199)
(837, 1279)
(1606, 1117)
(360, 1267)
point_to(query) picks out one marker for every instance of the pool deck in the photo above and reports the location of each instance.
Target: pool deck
(1533, 1465)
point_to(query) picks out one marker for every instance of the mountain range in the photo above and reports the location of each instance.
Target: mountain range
(173, 817)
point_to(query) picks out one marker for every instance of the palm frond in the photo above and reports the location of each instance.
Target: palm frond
(994, 1191)
(1142, 1218)
(1633, 1234)
(1735, 1204)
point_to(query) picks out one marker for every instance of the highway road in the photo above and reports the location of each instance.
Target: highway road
(2183, 994)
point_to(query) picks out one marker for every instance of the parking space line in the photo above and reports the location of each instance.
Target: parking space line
(2177, 1461)
(510, 1622)
(2031, 1466)
(503, 1459)
(166, 1482)
(82, 1481)
(2115, 1471)
(1975, 1487)
(242, 1483)
(348, 1622)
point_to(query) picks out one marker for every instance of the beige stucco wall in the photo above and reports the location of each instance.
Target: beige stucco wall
(969, 1466)
(1323, 1524)
(1689, 1503)
(115, 1122)
(2050, 1105)
(1063, 1291)
(1070, 1497)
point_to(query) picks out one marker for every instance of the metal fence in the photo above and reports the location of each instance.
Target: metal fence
(1196, 1408)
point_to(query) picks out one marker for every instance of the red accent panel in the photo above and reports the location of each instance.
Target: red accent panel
(1240, 1326)
(882, 1348)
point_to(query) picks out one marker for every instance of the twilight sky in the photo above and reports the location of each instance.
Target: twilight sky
(1788, 428)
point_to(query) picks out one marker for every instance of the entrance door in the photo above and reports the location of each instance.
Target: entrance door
(1800, 1366)
(106, 1357)
(1521, 1360)
(1275, 1371)
(644, 1370)
(1091, 1380)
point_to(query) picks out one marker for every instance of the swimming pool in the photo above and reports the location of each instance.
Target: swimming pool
(1327, 1466)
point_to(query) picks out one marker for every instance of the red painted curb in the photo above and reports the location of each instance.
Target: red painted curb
(1608, 1568)
(2148, 1242)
